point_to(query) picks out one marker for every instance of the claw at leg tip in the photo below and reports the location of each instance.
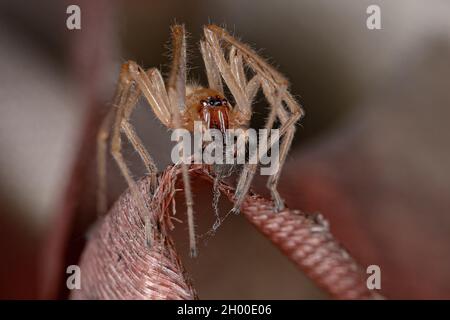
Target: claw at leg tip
(148, 242)
(279, 206)
(216, 225)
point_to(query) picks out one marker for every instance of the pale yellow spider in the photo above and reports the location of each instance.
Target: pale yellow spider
(177, 105)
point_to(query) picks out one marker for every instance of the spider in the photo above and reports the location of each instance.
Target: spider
(178, 104)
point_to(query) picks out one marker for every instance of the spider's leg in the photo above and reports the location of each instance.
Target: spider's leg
(275, 90)
(243, 92)
(151, 85)
(177, 97)
(249, 89)
(252, 88)
(215, 33)
(132, 83)
(286, 131)
(246, 177)
(124, 88)
(212, 72)
(102, 138)
(177, 78)
(232, 80)
(129, 131)
(244, 181)
(125, 101)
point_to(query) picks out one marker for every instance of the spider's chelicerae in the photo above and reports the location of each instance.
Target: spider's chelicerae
(178, 104)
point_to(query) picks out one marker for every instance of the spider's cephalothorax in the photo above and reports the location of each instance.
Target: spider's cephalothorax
(210, 107)
(178, 106)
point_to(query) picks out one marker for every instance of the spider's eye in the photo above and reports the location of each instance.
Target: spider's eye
(216, 101)
(213, 102)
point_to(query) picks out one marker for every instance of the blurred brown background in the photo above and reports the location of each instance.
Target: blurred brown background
(371, 155)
